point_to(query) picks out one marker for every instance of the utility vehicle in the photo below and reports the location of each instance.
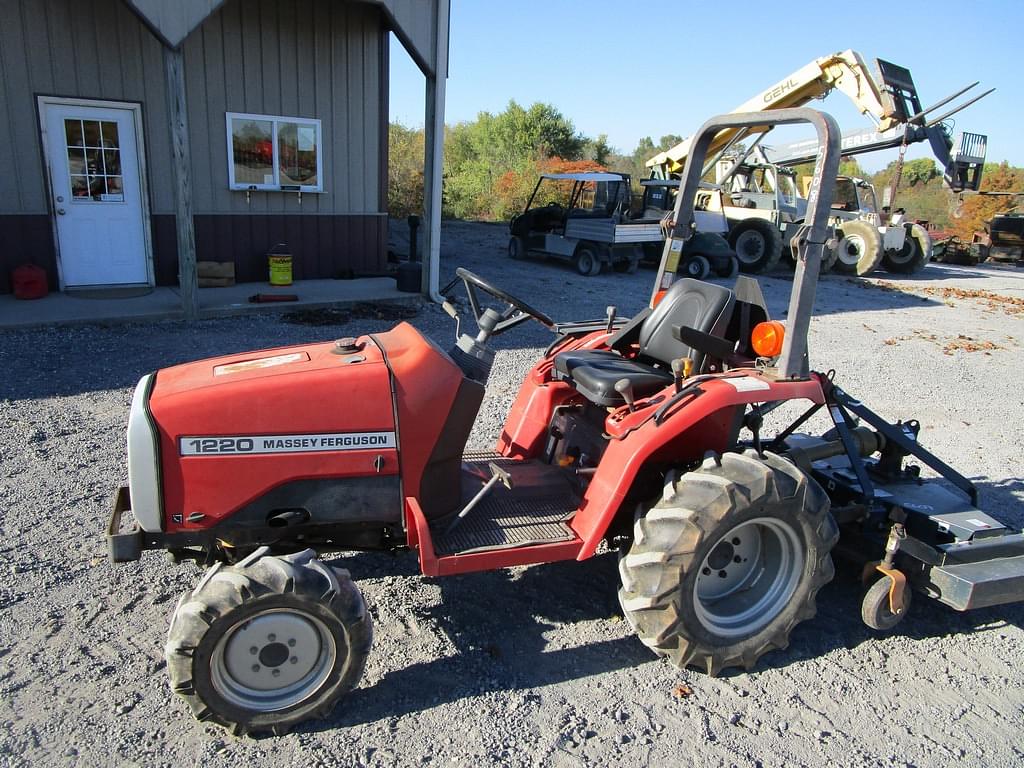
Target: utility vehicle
(588, 220)
(646, 435)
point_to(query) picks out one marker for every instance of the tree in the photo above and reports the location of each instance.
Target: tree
(491, 160)
(405, 170)
(977, 210)
(599, 150)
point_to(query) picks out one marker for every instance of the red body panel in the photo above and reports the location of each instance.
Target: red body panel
(426, 382)
(337, 396)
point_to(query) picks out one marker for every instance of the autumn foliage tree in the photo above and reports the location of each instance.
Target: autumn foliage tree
(976, 210)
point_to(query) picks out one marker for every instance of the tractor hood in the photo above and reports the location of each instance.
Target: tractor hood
(307, 411)
(210, 438)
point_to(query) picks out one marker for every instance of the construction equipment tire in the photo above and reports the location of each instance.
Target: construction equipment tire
(587, 262)
(728, 561)
(913, 256)
(859, 250)
(730, 270)
(758, 244)
(875, 609)
(517, 248)
(268, 643)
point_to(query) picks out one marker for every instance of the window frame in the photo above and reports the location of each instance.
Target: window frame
(275, 121)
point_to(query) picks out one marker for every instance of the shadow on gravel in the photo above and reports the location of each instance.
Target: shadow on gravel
(497, 622)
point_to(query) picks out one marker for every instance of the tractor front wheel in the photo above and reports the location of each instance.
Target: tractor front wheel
(268, 643)
(728, 562)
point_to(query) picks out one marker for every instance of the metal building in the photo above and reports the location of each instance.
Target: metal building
(137, 136)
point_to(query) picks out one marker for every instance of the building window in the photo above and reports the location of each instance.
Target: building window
(274, 153)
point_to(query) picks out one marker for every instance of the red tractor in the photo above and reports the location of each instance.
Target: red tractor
(644, 434)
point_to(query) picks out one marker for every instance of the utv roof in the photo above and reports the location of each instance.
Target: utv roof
(592, 176)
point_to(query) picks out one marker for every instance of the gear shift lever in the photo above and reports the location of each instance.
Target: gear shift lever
(625, 388)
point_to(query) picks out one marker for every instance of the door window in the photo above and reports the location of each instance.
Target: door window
(94, 161)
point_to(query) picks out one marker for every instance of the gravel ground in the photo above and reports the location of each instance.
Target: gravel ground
(554, 677)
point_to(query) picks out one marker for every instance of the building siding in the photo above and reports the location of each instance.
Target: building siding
(306, 58)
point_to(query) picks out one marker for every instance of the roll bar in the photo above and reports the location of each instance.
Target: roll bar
(810, 239)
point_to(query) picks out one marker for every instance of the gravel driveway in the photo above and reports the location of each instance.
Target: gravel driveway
(528, 667)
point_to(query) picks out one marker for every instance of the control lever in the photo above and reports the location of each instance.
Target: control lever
(453, 313)
(678, 373)
(610, 312)
(625, 388)
(498, 475)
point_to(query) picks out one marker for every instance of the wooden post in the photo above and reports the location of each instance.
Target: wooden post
(181, 163)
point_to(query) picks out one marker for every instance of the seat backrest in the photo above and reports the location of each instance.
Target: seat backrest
(702, 306)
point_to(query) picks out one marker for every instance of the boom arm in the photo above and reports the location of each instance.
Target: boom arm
(845, 71)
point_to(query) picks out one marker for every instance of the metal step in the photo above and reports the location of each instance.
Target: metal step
(536, 510)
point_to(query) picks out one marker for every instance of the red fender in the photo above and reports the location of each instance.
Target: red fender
(699, 424)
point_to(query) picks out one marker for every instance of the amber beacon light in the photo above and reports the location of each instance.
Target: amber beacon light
(766, 338)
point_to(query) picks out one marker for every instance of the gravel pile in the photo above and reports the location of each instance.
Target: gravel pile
(530, 666)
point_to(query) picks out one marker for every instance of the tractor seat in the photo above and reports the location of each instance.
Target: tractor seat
(692, 303)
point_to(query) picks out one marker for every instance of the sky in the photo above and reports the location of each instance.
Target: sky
(635, 69)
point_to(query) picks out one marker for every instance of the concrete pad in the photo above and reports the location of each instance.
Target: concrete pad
(165, 303)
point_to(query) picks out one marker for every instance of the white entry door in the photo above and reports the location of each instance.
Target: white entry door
(97, 195)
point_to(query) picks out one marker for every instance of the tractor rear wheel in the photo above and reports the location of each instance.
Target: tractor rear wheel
(860, 248)
(268, 643)
(758, 244)
(729, 560)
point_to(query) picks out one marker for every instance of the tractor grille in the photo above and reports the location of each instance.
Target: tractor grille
(505, 519)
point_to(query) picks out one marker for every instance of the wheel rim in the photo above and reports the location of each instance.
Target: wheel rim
(693, 268)
(750, 247)
(762, 561)
(273, 660)
(585, 263)
(850, 249)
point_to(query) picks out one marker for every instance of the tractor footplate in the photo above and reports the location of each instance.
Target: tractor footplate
(535, 510)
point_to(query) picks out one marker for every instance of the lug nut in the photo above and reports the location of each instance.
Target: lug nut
(254, 650)
(291, 643)
(722, 574)
(276, 673)
(294, 659)
(271, 637)
(255, 667)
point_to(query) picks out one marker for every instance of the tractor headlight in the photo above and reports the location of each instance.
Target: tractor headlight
(144, 459)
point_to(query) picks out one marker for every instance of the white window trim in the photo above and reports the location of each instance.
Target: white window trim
(275, 120)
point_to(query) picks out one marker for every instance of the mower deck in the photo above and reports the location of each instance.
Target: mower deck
(533, 511)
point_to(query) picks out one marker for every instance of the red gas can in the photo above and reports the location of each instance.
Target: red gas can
(29, 282)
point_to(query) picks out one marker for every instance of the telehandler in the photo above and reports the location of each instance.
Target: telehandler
(646, 435)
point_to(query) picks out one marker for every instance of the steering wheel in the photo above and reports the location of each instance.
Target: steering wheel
(518, 310)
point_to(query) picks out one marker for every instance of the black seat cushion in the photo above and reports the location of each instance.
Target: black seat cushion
(596, 380)
(567, 362)
(692, 303)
